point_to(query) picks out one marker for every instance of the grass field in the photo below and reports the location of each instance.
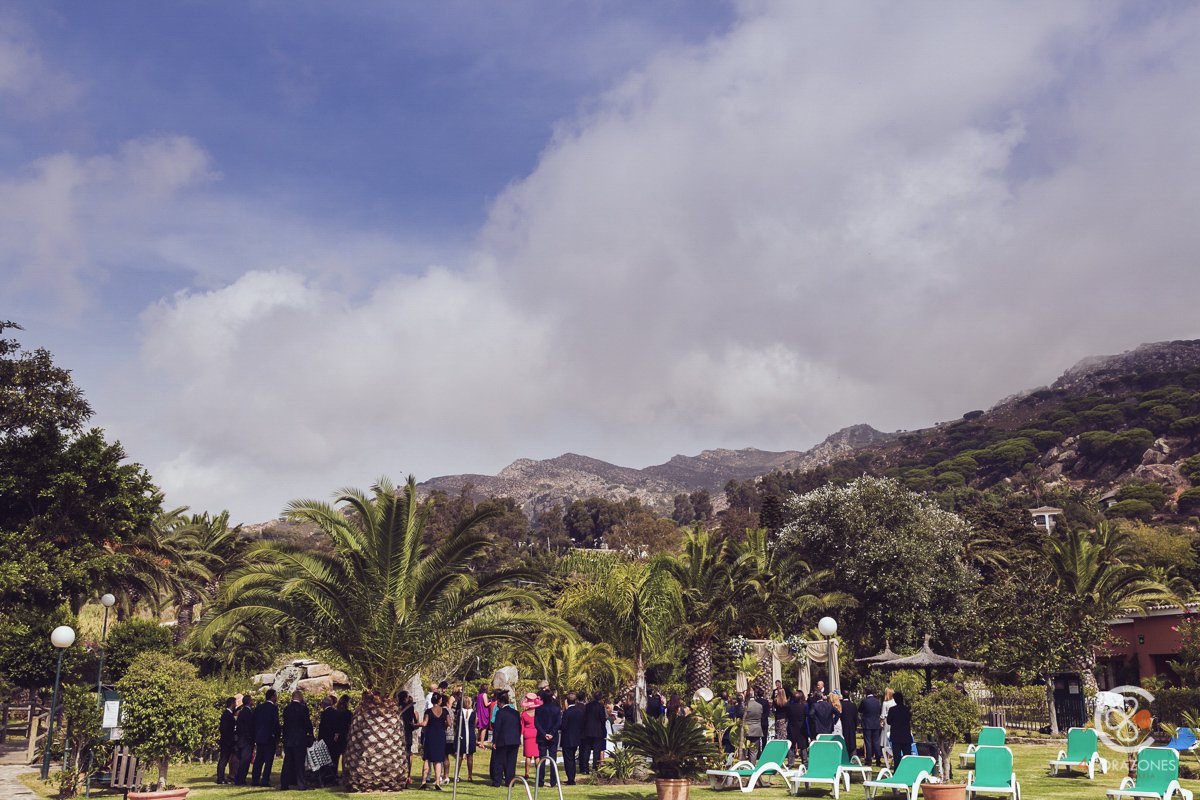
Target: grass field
(1031, 767)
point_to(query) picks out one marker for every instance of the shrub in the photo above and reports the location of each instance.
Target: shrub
(1131, 509)
(1132, 442)
(1160, 417)
(1105, 415)
(1191, 468)
(1187, 426)
(1171, 704)
(1010, 454)
(1095, 444)
(947, 716)
(1189, 501)
(1151, 493)
(163, 709)
(950, 479)
(127, 640)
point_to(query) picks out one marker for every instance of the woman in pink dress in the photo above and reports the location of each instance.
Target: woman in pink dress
(528, 731)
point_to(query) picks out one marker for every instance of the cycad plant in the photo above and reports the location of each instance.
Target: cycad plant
(384, 603)
(677, 746)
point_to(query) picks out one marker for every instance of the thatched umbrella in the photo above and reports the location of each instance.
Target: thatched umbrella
(885, 655)
(928, 660)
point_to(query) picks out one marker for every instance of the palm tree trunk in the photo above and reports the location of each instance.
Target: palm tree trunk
(1086, 667)
(375, 759)
(639, 688)
(185, 606)
(699, 664)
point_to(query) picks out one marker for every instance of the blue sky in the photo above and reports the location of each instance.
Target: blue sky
(291, 246)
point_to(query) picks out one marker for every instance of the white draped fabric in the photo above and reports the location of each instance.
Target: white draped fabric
(781, 654)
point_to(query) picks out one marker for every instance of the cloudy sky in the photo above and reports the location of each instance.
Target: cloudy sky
(292, 246)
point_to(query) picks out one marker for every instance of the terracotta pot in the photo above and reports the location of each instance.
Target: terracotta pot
(944, 791)
(165, 794)
(672, 788)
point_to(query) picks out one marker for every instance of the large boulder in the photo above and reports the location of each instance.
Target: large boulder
(317, 670)
(318, 686)
(505, 678)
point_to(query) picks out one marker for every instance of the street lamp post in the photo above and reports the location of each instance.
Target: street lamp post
(108, 601)
(61, 637)
(828, 627)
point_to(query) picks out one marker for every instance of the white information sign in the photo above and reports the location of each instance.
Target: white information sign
(112, 714)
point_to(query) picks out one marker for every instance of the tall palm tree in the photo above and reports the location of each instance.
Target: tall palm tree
(710, 599)
(218, 550)
(626, 603)
(1094, 569)
(161, 562)
(383, 602)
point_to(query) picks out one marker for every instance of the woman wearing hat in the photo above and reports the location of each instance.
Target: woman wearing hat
(529, 730)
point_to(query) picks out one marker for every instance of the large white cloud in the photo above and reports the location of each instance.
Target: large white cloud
(835, 213)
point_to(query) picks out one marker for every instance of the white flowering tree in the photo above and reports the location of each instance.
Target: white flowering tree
(899, 554)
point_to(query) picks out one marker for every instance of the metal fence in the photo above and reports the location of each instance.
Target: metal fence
(1013, 707)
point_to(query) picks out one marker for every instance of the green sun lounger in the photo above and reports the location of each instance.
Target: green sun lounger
(745, 776)
(1157, 776)
(993, 773)
(851, 762)
(988, 737)
(1082, 753)
(824, 767)
(908, 777)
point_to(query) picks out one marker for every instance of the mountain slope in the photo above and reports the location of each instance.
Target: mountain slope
(541, 485)
(1126, 424)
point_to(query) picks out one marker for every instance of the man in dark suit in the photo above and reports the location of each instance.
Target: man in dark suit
(595, 733)
(796, 713)
(227, 739)
(506, 739)
(871, 711)
(547, 719)
(822, 716)
(297, 736)
(266, 737)
(849, 717)
(899, 719)
(245, 740)
(572, 733)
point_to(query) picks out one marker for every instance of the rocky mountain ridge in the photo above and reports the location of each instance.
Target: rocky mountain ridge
(539, 485)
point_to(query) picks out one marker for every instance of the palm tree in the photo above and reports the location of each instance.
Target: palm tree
(162, 561)
(710, 599)
(384, 603)
(1093, 569)
(623, 602)
(218, 550)
(776, 593)
(568, 663)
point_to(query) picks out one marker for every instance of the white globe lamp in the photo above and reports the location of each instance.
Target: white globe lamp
(61, 637)
(827, 626)
(108, 600)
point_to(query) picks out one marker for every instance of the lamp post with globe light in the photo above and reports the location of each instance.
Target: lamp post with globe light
(61, 637)
(828, 627)
(108, 601)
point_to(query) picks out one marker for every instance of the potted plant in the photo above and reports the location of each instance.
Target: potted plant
(162, 715)
(947, 716)
(678, 749)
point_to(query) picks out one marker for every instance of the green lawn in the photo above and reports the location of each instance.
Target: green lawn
(1031, 761)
